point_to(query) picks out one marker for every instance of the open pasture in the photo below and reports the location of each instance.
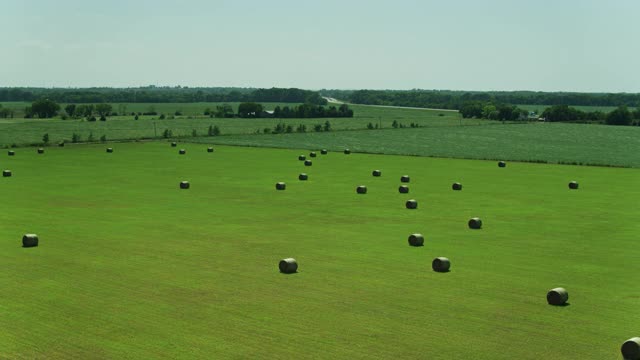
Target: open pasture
(129, 265)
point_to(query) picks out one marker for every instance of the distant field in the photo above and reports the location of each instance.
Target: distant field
(547, 142)
(131, 267)
(27, 131)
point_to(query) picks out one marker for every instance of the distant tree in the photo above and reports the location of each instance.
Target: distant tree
(250, 110)
(216, 130)
(135, 117)
(289, 129)
(194, 133)
(75, 138)
(619, 116)
(45, 138)
(370, 126)
(103, 110)
(70, 109)
(45, 108)
(561, 113)
(103, 138)
(224, 111)
(167, 133)
(394, 124)
(90, 137)
(327, 126)
(317, 127)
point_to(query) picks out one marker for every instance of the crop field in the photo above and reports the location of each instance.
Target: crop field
(131, 266)
(547, 142)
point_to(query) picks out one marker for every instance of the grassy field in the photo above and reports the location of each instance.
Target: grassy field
(129, 266)
(548, 142)
(29, 131)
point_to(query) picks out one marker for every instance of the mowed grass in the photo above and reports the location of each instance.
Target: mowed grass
(130, 266)
(550, 142)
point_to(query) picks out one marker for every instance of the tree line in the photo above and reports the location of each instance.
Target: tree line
(447, 99)
(255, 110)
(153, 94)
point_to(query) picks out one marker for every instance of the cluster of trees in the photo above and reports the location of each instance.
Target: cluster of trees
(619, 116)
(445, 99)
(153, 94)
(5, 112)
(488, 110)
(282, 128)
(313, 111)
(255, 110)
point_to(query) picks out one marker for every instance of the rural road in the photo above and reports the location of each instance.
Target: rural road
(336, 101)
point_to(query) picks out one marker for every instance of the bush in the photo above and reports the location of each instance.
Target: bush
(162, 117)
(194, 133)
(75, 138)
(45, 138)
(103, 138)
(266, 130)
(103, 118)
(135, 117)
(167, 133)
(370, 126)
(317, 127)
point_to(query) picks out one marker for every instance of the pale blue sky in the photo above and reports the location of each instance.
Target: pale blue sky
(561, 45)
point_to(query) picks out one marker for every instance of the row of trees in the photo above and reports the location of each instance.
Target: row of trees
(153, 94)
(255, 110)
(445, 99)
(564, 113)
(488, 110)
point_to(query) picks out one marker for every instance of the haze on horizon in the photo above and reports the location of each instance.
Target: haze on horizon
(570, 45)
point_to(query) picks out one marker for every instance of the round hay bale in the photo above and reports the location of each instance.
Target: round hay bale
(324, 151)
(405, 178)
(30, 240)
(475, 223)
(376, 173)
(573, 185)
(313, 154)
(209, 149)
(557, 296)
(416, 240)
(456, 186)
(308, 163)
(411, 204)
(184, 185)
(403, 189)
(281, 186)
(11, 153)
(361, 189)
(631, 349)
(347, 151)
(40, 151)
(302, 157)
(109, 150)
(441, 264)
(303, 177)
(502, 164)
(288, 266)
(174, 144)
(6, 173)
(182, 151)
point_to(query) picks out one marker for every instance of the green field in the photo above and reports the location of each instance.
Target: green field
(536, 142)
(30, 131)
(129, 266)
